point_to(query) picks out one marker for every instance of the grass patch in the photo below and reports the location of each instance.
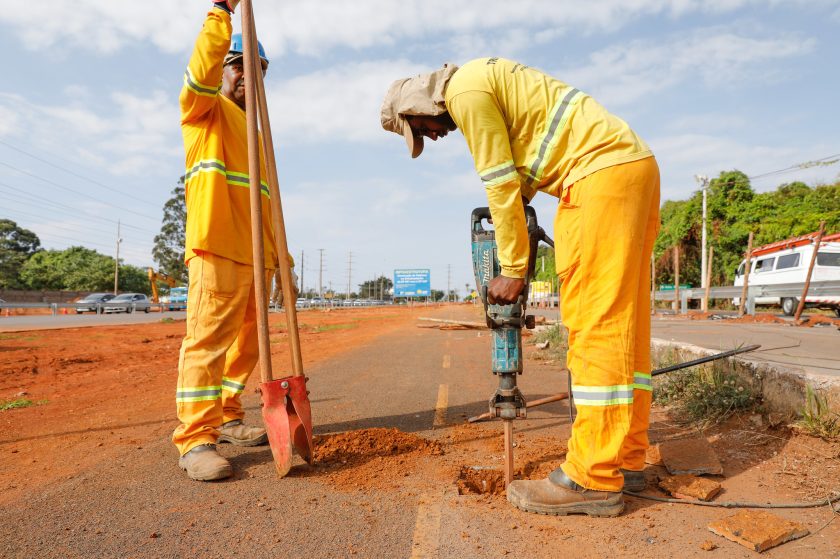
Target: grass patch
(19, 403)
(167, 320)
(706, 394)
(557, 337)
(817, 418)
(21, 337)
(328, 327)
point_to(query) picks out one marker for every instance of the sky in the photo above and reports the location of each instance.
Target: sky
(89, 122)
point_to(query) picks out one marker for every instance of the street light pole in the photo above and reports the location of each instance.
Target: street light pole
(704, 183)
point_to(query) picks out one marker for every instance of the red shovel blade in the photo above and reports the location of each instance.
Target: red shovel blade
(300, 416)
(277, 424)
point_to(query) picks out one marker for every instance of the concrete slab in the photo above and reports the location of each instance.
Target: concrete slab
(758, 530)
(690, 456)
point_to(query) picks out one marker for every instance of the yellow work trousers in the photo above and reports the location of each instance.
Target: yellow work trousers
(604, 229)
(219, 350)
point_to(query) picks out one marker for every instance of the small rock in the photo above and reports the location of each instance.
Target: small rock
(154, 535)
(708, 546)
(22, 393)
(542, 345)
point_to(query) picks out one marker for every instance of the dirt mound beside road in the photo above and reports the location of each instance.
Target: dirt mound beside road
(355, 446)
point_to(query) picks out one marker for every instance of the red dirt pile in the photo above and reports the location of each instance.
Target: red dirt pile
(361, 446)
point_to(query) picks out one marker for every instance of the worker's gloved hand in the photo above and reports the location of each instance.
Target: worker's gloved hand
(228, 5)
(503, 290)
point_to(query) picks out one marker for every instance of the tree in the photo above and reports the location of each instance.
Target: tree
(168, 250)
(16, 246)
(375, 289)
(80, 269)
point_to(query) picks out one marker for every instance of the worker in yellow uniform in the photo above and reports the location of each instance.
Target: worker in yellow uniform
(530, 132)
(220, 348)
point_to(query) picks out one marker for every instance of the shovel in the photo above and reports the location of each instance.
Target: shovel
(286, 410)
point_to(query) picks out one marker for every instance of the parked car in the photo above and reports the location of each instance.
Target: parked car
(93, 302)
(786, 262)
(128, 303)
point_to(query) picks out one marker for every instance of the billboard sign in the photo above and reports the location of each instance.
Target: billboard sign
(412, 283)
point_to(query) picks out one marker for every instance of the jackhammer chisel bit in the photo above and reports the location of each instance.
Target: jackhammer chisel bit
(505, 322)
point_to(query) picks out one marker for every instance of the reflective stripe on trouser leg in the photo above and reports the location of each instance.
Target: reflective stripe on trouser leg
(241, 359)
(637, 442)
(216, 302)
(600, 229)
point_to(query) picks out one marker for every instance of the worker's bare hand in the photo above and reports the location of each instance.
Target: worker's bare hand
(503, 290)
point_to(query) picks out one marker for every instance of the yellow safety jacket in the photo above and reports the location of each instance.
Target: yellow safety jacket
(216, 145)
(527, 132)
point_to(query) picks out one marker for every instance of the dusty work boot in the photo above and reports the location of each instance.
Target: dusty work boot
(203, 463)
(236, 432)
(559, 495)
(634, 481)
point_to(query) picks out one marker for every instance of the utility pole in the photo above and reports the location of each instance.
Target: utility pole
(117, 260)
(302, 268)
(704, 184)
(448, 281)
(349, 272)
(321, 275)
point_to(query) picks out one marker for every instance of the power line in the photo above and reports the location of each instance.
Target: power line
(84, 178)
(75, 230)
(48, 181)
(69, 209)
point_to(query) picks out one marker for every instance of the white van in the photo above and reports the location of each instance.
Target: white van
(787, 262)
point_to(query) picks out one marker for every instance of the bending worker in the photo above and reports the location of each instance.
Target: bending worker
(529, 132)
(220, 348)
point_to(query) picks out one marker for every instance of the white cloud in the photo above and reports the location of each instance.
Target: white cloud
(129, 135)
(306, 27)
(336, 104)
(682, 156)
(622, 74)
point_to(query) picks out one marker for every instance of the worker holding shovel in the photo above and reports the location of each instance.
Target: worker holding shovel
(529, 132)
(220, 348)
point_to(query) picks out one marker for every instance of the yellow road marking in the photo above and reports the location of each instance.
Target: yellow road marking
(440, 407)
(447, 361)
(425, 544)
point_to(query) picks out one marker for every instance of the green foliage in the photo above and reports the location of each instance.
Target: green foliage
(557, 337)
(707, 394)
(168, 250)
(817, 418)
(376, 288)
(733, 210)
(545, 267)
(16, 246)
(18, 403)
(80, 269)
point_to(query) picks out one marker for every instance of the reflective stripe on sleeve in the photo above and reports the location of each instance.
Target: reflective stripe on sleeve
(232, 178)
(642, 381)
(199, 88)
(560, 115)
(602, 395)
(232, 386)
(198, 394)
(498, 174)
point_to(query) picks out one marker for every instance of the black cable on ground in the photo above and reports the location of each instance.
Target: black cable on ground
(835, 498)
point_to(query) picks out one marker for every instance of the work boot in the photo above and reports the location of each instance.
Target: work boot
(634, 481)
(236, 432)
(203, 463)
(558, 495)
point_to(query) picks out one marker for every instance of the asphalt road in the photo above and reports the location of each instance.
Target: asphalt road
(49, 322)
(423, 381)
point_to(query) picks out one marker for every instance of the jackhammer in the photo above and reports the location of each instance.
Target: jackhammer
(505, 321)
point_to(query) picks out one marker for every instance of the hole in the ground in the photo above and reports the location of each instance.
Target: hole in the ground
(475, 480)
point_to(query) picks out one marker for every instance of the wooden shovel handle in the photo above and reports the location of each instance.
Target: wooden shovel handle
(276, 207)
(250, 54)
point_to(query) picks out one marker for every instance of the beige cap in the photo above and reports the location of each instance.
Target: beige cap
(420, 95)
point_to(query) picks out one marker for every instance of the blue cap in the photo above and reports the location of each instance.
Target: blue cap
(236, 50)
